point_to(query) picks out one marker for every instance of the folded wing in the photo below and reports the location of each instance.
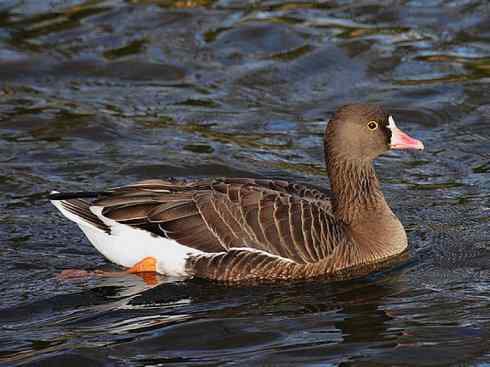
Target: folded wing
(290, 221)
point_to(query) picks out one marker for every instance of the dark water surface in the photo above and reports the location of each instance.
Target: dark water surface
(101, 93)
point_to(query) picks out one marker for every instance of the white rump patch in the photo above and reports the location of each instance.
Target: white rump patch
(126, 245)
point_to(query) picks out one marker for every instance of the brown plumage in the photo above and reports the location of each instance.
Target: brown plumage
(253, 229)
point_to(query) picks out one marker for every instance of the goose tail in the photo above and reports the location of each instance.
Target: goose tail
(75, 208)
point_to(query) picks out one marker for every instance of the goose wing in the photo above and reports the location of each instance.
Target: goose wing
(291, 221)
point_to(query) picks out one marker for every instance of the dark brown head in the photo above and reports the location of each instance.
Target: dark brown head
(365, 131)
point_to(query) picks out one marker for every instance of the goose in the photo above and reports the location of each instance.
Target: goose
(240, 229)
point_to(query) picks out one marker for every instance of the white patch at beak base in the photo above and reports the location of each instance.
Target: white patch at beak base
(391, 122)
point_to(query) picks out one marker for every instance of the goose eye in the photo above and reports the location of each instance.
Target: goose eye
(372, 125)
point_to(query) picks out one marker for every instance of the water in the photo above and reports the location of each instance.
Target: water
(102, 93)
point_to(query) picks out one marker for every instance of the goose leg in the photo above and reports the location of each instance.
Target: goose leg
(73, 273)
(145, 269)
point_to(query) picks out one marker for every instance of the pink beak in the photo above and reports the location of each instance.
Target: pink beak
(400, 140)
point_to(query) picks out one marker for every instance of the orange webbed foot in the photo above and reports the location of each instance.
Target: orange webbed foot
(147, 265)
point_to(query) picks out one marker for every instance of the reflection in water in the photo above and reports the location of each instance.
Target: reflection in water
(102, 93)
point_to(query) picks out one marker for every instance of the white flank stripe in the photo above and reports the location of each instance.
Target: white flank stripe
(249, 249)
